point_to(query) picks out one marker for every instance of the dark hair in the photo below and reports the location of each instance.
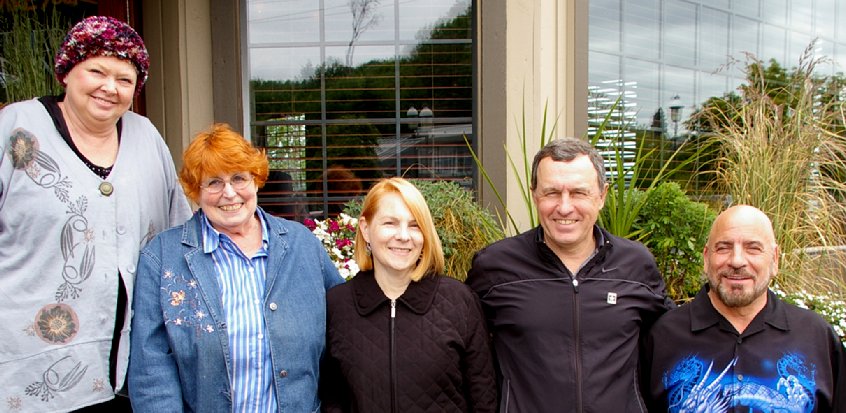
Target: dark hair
(567, 149)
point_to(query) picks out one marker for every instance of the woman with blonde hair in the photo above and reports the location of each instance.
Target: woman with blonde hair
(400, 336)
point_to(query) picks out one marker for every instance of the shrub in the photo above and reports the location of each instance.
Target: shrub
(463, 226)
(675, 229)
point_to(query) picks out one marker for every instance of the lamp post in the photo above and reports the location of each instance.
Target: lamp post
(412, 113)
(426, 117)
(675, 114)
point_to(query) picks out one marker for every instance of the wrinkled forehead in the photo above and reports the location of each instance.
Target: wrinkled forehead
(576, 173)
(740, 229)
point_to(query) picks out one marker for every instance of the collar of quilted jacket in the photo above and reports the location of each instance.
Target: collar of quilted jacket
(417, 297)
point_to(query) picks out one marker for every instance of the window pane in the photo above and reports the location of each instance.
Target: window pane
(713, 39)
(644, 77)
(773, 44)
(748, 8)
(745, 39)
(418, 19)
(356, 21)
(801, 16)
(605, 25)
(283, 21)
(641, 24)
(680, 34)
(775, 12)
(337, 111)
(824, 21)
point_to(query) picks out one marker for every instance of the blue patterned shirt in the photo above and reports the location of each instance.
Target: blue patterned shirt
(241, 281)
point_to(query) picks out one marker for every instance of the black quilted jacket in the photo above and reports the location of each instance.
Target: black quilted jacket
(433, 355)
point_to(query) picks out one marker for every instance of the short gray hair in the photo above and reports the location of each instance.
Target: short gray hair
(567, 149)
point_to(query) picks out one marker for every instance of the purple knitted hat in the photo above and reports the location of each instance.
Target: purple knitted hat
(102, 36)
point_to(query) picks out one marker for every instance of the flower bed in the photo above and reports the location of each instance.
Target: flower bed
(338, 238)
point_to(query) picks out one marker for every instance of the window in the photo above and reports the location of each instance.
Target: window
(345, 92)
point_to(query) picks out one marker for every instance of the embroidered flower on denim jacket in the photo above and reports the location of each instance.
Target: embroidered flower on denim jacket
(182, 305)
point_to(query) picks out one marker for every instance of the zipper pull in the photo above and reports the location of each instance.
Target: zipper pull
(393, 308)
(576, 285)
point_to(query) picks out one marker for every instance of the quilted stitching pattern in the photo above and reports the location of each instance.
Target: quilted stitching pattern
(443, 357)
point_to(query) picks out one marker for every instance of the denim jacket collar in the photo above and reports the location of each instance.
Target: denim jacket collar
(203, 269)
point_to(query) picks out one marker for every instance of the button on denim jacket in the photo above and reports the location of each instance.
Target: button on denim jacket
(179, 359)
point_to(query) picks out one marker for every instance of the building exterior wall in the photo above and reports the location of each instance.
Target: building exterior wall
(532, 57)
(179, 93)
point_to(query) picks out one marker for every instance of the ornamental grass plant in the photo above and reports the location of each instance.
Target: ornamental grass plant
(783, 150)
(26, 66)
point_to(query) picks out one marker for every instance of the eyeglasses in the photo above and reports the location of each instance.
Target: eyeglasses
(238, 182)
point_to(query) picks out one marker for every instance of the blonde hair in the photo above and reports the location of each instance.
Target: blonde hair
(432, 257)
(220, 150)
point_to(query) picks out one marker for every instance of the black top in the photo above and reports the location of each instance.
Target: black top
(433, 355)
(788, 359)
(568, 342)
(51, 103)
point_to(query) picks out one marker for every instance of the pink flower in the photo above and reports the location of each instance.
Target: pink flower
(334, 226)
(310, 224)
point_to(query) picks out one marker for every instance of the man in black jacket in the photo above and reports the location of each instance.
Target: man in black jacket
(736, 347)
(567, 302)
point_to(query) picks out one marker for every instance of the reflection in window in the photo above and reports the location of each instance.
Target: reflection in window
(605, 25)
(641, 28)
(713, 39)
(680, 34)
(369, 89)
(773, 44)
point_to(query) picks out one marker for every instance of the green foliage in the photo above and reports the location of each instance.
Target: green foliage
(28, 51)
(463, 226)
(675, 230)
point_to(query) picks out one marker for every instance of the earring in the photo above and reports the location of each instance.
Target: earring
(367, 248)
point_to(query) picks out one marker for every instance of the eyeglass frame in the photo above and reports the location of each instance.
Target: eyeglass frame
(207, 186)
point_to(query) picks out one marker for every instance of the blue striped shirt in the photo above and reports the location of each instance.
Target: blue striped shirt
(241, 281)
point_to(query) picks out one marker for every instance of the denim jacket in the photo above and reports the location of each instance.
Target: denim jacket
(180, 351)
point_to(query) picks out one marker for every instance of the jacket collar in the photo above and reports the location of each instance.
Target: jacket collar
(418, 297)
(601, 237)
(202, 267)
(703, 314)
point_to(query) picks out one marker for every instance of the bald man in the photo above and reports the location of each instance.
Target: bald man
(737, 347)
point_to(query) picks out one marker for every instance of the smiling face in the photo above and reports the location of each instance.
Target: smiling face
(741, 257)
(568, 199)
(231, 210)
(394, 237)
(100, 89)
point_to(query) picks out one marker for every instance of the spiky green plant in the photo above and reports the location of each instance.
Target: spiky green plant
(522, 172)
(787, 156)
(28, 50)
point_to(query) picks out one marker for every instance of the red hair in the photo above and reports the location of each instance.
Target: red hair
(220, 151)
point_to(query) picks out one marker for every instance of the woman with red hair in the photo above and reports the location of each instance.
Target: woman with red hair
(229, 311)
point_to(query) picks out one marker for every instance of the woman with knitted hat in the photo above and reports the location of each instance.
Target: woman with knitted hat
(84, 184)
